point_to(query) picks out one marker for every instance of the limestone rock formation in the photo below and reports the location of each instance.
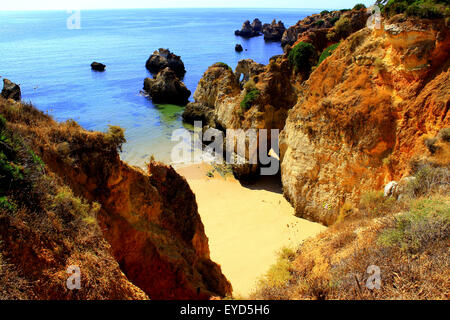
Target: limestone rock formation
(199, 112)
(248, 30)
(362, 115)
(238, 48)
(322, 26)
(163, 58)
(257, 25)
(167, 88)
(97, 66)
(149, 219)
(274, 31)
(11, 90)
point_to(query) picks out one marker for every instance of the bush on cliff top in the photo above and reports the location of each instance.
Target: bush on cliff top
(429, 9)
(327, 52)
(249, 99)
(303, 56)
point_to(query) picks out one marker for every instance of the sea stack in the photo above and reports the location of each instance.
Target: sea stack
(163, 58)
(238, 48)
(167, 88)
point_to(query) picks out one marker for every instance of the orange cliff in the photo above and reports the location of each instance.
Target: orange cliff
(355, 122)
(363, 114)
(150, 220)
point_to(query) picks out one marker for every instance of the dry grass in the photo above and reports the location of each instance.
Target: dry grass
(406, 238)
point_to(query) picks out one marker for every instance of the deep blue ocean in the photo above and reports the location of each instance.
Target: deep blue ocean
(52, 63)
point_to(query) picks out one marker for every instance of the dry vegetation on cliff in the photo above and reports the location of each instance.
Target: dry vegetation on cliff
(406, 238)
(149, 223)
(45, 228)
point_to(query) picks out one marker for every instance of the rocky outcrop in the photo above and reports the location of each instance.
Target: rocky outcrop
(167, 88)
(273, 31)
(257, 25)
(199, 112)
(163, 58)
(248, 68)
(249, 30)
(238, 48)
(97, 66)
(362, 115)
(11, 90)
(323, 27)
(149, 219)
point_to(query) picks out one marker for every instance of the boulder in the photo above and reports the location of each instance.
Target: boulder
(273, 31)
(167, 88)
(97, 66)
(163, 58)
(247, 31)
(238, 48)
(198, 112)
(11, 90)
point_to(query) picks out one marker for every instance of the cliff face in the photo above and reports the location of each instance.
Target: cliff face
(150, 220)
(363, 115)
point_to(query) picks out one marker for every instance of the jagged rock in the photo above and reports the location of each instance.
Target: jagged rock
(163, 58)
(257, 25)
(238, 48)
(97, 66)
(322, 24)
(273, 31)
(197, 111)
(167, 88)
(11, 90)
(248, 68)
(247, 31)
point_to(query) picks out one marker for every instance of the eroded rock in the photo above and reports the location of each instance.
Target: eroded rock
(11, 90)
(167, 88)
(163, 58)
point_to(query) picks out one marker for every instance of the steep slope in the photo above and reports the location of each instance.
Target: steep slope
(150, 220)
(363, 115)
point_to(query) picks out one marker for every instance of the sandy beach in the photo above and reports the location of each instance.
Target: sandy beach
(246, 225)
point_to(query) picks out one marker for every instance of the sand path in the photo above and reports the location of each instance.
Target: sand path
(246, 226)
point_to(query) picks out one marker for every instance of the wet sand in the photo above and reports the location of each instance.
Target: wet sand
(246, 225)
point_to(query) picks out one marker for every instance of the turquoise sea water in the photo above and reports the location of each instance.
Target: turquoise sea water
(52, 63)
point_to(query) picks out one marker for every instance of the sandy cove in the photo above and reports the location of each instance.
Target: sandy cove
(246, 225)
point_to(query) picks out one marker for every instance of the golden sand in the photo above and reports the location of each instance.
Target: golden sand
(246, 225)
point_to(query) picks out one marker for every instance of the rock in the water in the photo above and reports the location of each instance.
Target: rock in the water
(247, 31)
(11, 90)
(97, 66)
(162, 59)
(238, 48)
(167, 88)
(257, 25)
(273, 31)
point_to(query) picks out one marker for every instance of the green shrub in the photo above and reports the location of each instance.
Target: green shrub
(223, 65)
(427, 221)
(115, 136)
(327, 52)
(334, 20)
(249, 99)
(319, 23)
(303, 56)
(359, 6)
(343, 27)
(324, 12)
(429, 9)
